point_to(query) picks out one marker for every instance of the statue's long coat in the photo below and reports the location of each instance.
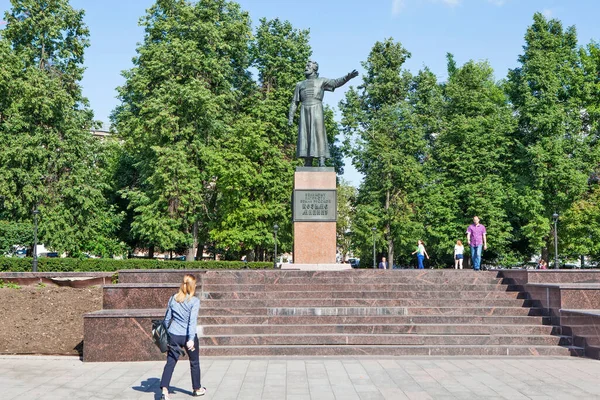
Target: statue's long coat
(312, 138)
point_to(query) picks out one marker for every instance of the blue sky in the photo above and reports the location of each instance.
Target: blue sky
(343, 32)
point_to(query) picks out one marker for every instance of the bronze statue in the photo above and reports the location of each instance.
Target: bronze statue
(312, 139)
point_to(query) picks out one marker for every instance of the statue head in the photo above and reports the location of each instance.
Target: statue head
(311, 68)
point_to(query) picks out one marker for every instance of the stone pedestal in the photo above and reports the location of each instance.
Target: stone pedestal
(314, 209)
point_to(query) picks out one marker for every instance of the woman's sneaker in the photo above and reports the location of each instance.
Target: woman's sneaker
(199, 392)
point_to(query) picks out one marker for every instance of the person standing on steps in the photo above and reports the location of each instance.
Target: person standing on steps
(421, 254)
(477, 240)
(459, 249)
(383, 264)
(182, 312)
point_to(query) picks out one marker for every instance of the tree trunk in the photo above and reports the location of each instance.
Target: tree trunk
(151, 252)
(199, 251)
(191, 253)
(545, 254)
(257, 254)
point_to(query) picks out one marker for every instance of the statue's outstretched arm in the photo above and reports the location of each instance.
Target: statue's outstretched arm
(342, 81)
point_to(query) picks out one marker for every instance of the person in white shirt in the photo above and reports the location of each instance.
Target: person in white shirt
(459, 250)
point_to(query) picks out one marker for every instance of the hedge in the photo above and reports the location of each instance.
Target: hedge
(12, 264)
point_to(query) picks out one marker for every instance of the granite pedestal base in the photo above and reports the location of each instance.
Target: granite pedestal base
(314, 235)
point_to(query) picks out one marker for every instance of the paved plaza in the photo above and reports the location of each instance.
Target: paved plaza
(23, 377)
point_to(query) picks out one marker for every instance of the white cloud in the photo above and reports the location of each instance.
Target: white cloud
(397, 6)
(547, 13)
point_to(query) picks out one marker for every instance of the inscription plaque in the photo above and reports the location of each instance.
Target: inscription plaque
(315, 205)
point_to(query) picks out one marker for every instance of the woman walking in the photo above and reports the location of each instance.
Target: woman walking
(421, 253)
(459, 250)
(182, 317)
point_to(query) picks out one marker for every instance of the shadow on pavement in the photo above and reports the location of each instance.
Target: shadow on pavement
(152, 385)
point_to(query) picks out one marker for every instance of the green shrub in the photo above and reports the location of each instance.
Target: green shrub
(11, 264)
(11, 233)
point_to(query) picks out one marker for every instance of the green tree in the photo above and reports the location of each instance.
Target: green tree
(14, 233)
(48, 159)
(427, 197)
(256, 164)
(553, 150)
(177, 105)
(471, 161)
(385, 146)
(580, 227)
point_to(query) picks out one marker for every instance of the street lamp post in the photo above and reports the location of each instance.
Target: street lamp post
(555, 218)
(36, 212)
(374, 229)
(275, 229)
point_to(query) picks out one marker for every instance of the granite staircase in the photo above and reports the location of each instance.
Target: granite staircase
(334, 313)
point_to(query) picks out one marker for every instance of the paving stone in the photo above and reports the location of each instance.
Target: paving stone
(319, 379)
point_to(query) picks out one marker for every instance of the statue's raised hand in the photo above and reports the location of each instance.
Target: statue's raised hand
(353, 74)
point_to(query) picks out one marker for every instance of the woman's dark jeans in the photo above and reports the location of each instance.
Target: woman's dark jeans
(176, 342)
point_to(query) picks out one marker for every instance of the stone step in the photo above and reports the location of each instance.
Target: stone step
(102, 329)
(438, 329)
(176, 275)
(369, 319)
(157, 295)
(352, 287)
(385, 339)
(408, 302)
(365, 273)
(376, 350)
(370, 311)
(467, 294)
(378, 279)
(551, 276)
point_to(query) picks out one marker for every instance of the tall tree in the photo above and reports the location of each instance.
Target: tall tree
(426, 104)
(580, 224)
(177, 105)
(384, 146)
(48, 159)
(256, 167)
(472, 157)
(546, 91)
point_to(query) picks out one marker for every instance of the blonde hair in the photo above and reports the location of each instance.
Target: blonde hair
(458, 242)
(187, 289)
